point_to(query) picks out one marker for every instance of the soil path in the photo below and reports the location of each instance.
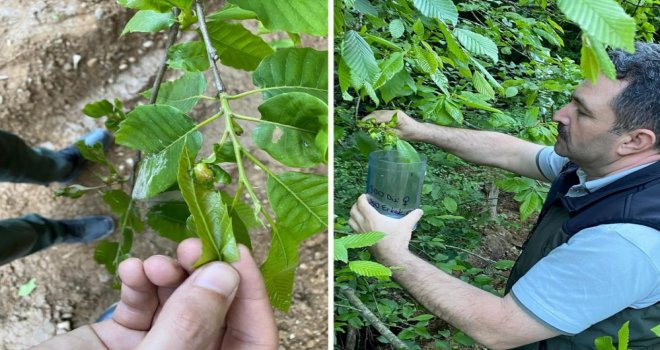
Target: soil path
(55, 56)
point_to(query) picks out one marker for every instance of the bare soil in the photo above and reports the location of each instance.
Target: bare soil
(56, 56)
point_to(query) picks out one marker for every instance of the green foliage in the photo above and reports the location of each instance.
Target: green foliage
(188, 193)
(26, 289)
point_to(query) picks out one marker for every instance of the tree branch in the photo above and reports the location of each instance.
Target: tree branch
(210, 50)
(375, 322)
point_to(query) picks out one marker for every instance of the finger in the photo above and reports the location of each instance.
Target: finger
(194, 315)
(138, 300)
(354, 226)
(166, 274)
(250, 321)
(363, 207)
(188, 252)
(355, 213)
(412, 218)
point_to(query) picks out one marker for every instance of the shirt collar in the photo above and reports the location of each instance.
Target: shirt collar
(585, 187)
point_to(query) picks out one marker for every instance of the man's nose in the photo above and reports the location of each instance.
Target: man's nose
(563, 115)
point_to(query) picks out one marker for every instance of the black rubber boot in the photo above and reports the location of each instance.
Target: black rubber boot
(72, 153)
(86, 229)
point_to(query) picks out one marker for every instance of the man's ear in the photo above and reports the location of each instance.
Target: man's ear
(638, 140)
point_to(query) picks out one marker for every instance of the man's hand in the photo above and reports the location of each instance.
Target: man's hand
(365, 218)
(166, 305)
(406, 127)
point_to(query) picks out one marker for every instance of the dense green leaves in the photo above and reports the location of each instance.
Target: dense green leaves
(359, 57)
(237, 47)
(604, 20)
(294, 16)
(183, 93)
(292, 140)
(444, 10)
(477, 43)
(190, 56)
(160, 132)
(294, 69)
(210, 215)
(149, 21)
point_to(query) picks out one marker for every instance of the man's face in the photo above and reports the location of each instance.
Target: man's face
(584, 123)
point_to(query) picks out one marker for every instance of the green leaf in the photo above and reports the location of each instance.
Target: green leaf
(656, 330)
(396, 28)
(589, 63)
(463, 339)
(280, 267)
(511, 91)
(361, 240)
(210, 215)
(504, 264)
(369, 268)
(73, 191)
(183, 93)
(604, 20)
(155, 5)
(423, 317)
(604, 343)
(482, 86)
(340, 251)
(190, 56)
(476, 43)
(452, 45)
(595, 60)
(295, 16)
(624, 336)
(119, 203)
(230, 12)
(444, 10)
(105, 254)
(291, 70)
(300, 202)
(98, 109)
(476, 101)
(407, 152)
(93, 153)
(168, 219)
(27, 288)
(533, 202)
(236, 46)
(292, 141)
(242, 218)
(160, 132)
(389, 67)
(359, 58)
(148, 21)
(450, 204)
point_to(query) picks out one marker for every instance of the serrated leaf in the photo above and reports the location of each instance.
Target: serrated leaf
(369, 268)
(444, 10)
(604, 343)
(94, 153)
(300, 202)
(624, 336)
(168, 219)
(190, 56)
(183, 93)
(476, 43)
(27, 288)
(147, 21)
(210, 215)
(236, 46)
(119, 203)
(344, 77)
(476, 101)
(396, 28)
(230, 12)
(242, 218)
(280, 267)
(340, 251)
(292, 140)
(605, 64)
(482, 86)
(452, 45)
(98, 109)
(361, 240)
(604, 20)
(389, 67)
(105, 254)
(407, 153)
(160, 132)
(359, 59)
(589, 63)
(295, 16)
(293, 70)
(532, 203)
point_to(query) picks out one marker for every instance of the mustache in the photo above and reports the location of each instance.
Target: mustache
(562, 131)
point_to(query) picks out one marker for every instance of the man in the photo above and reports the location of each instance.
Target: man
(31, 233)
(165, 305)
(592, 261)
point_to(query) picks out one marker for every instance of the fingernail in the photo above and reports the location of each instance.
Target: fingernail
(217, 277)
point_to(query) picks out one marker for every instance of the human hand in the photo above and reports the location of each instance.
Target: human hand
(166, 305)
(365, 218)
(406, 126)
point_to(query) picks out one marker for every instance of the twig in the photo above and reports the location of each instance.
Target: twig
(210, 50)
(493, 196)
(351, 338)
(375, 322)
(471, 253)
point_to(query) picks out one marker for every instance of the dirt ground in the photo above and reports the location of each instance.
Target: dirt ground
(55, 56)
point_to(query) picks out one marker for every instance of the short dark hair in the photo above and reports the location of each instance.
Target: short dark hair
(638, 105)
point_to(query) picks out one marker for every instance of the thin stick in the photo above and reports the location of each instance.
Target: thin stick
(470, 253)
(378, 324)
(210, 50)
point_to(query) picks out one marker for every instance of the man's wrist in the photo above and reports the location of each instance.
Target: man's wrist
(390, 257)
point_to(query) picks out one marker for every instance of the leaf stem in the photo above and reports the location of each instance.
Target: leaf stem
(257, 120)
(171, 37)
(212, 53)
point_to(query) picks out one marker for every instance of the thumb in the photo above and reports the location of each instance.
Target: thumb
(194, 316)
(412, 217)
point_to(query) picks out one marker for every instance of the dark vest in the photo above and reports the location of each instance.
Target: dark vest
(635, 198)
